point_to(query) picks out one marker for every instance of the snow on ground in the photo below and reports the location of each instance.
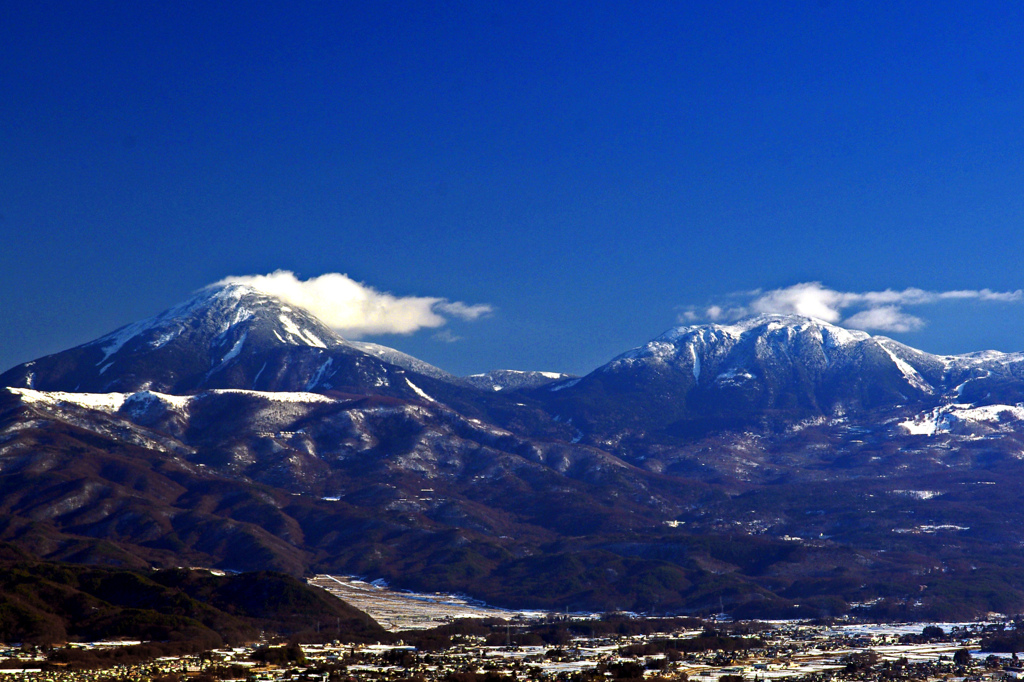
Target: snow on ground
(918, 494)
(409, 610)
(911, 374)
(318, 377)
(178, 402)
(943, 419)
(419, 391)
(303, 336)
(112, 402)
(278, 396)
(108, 402)
(989, 413)
(898, 629)
(920, 425)
(230, 355)
(931, 529)
(567, 384)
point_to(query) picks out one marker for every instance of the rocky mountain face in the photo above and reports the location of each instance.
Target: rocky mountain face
(514, 380)
(237, 337)
(778, 466)
(229, 337)
(772, 370)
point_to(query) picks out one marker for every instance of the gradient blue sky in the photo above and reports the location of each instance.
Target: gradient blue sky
(591, 170)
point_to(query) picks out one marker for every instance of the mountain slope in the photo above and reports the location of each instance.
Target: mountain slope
(778, 466)
(767, 369)
(414, 493)
(227, 337)
(404, 360)
(47, 603)
(514, 380)
(236, 337)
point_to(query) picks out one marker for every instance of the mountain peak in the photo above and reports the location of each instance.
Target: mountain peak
(768, 364)
(692, 343)
(215, 316)
(224, 336)
(774, 322)
(512, 379)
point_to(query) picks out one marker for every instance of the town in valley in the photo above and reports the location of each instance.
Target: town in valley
(445, 637)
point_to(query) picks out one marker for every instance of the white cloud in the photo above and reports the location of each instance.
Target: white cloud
(869, 310)
(987, 295)
(714, 313)
(460, 309)
(809, 299)
(887, 318)
(446, 336)
(355, 309)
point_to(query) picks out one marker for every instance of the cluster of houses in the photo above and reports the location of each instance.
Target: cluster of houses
(791, 651)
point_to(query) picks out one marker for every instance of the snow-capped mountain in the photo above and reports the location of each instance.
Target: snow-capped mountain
(785, 367)
(513, 379)
(773, 350)
(238, 431)
(232, 337)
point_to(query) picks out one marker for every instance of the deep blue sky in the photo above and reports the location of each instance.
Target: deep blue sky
(589, 169)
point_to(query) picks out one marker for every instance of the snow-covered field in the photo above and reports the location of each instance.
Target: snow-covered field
(409, 610)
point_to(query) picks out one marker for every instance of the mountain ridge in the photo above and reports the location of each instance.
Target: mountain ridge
(235, 336)
(781, 466)
(789, 367)
(221, 325)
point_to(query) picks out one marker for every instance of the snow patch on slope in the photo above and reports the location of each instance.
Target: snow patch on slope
(113, 402)
(313, 339)
(838, 337)
(257, 377)
(235, 350)
(921, 425)
(290, 327)
(178, 402)
(401, 359)
(319, 374)
(107, 402)
(278, 396)
(115, 341)
(911, 374)
(566, 384)
(944, 419)
(419, 391)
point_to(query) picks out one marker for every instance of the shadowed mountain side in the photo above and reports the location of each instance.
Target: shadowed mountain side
(47, 602)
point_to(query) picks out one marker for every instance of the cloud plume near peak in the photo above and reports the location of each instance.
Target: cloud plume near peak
(354, 309)
(868, 310)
